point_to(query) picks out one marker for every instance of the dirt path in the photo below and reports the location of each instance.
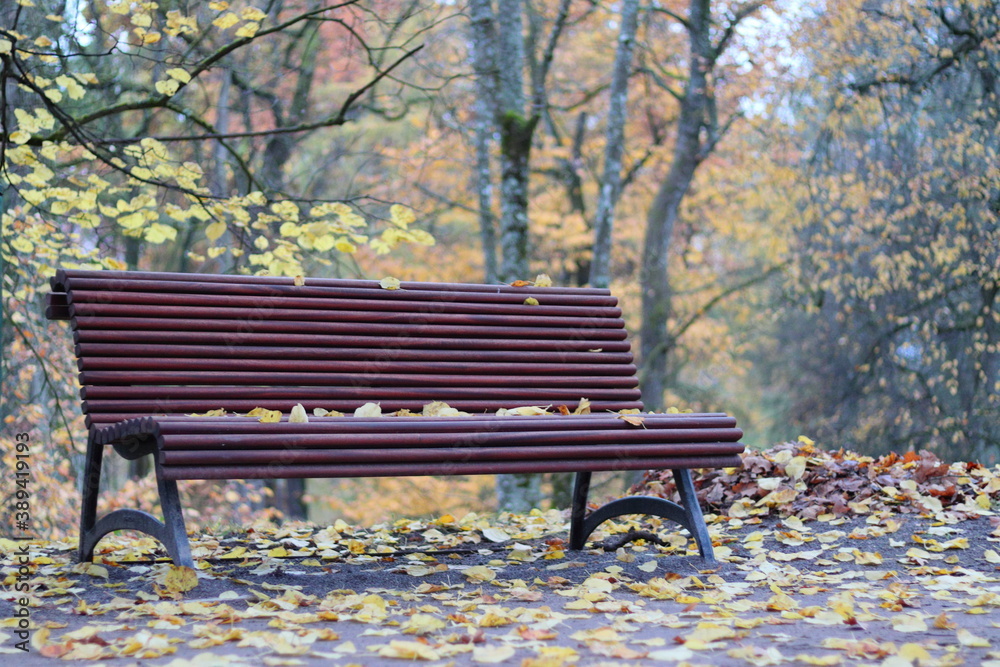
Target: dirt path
(886, 590)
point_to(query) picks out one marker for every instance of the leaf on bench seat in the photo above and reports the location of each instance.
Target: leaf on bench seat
(389, 283)
(298, 415)
(369, 410)
(524, 411)
(442, 409)
(265, 416)
(322, 412)
(531, 301)
(583, 408)
(221, 412)
(631, 417)
(543, 280)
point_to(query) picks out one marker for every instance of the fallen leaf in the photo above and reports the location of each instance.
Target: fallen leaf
(298, 415)
(389, 283)
(531, 301)
(369, 410)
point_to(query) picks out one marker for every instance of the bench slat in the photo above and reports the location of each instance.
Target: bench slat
(87, 310)
(370, 378)
(136, 366)
(372, 342)
(247, 326)
(551, 297)
(377, 356)
(387, 442)
(449, 468)
(282, 457)
(116, 397)
(104, 412)
(183, 425)
(61, 277)
(269, 303)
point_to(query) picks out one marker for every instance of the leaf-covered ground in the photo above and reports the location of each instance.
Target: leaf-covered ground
(887, 577)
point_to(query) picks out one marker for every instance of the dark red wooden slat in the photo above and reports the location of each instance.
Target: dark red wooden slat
(83, 311)
(447, 468)
(372, 342)
(405, 438)
(105, 412)
(285, 457)
(264, 304)
(166, 276)
(178, 425)
(248, 326)
(137, 365)
(560, 297)
(367, 355)
(372, 378)
(116, 395)
(56, 306)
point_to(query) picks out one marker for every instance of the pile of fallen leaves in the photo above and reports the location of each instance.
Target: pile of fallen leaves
(800, 479)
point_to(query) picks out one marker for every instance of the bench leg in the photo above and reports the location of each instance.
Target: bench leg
(687, 514)
(170, 531)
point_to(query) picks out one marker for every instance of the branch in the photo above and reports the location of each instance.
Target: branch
(729, 291)
(337, 119)
(743, 12)
(159, 101)
(677, 17)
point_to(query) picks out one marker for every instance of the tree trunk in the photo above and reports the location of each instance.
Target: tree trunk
(600, 271)
(485, 68)
(515, 493)
(661, 218)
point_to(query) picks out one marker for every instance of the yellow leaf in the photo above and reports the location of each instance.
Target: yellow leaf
(492, 654)
(178, 579)
(634, 420)
(227, 20)
(248, 30)
(218, 5)
(401, 215)
(408, 651)
(966, 638)
(369, 410)
(796, 467)
(583, 408)
(908, 623)
(167, 87)
(423, 624)
(252, 14)
(22, 244)
(178, 74)
(270, 417)
(531, 301)
(20, 137)
(261, 243)
(5, 46)
(389, 283)
(215, 230)
(520, 283)
(543, 280)
(298, 415)
(142, 20)
(991, 556)
(71, 85)
(479, 573)
(299, 281)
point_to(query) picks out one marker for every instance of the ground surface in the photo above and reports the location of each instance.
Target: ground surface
(879, 588)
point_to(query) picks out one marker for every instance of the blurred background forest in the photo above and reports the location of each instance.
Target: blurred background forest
(796, 201)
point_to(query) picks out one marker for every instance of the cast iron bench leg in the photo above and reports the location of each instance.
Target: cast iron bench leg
(170, 531)
(687, 514)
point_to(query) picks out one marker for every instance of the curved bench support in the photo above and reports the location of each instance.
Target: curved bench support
(687, 514)
(170, 531)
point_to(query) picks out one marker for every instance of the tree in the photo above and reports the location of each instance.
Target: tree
(699, 130)
(899, 248)
(150, 136)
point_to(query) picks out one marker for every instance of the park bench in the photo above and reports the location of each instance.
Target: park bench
(154, 349)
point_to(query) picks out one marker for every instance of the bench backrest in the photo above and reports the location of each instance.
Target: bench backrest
(170, 343)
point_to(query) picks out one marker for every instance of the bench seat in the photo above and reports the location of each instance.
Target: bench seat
(154, 349)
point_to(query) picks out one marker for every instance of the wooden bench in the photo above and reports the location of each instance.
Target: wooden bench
(153, 348)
